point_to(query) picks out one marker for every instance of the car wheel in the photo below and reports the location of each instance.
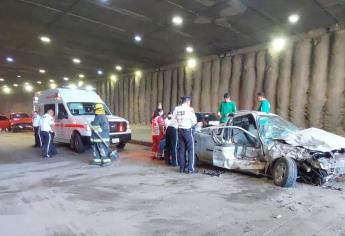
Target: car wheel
(121, 145)
(77, 143)
(284, 172)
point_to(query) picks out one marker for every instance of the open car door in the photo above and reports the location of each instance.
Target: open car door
(237, 149)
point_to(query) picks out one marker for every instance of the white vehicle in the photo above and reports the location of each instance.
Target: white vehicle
(74, 111)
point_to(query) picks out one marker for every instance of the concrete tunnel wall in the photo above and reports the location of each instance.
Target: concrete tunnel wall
(305, 83)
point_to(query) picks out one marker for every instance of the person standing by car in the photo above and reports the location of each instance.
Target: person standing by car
(157, 126)
(264, 103)
(226, 107)
(100, 134)
(186, 119)
(36, 119)
(171, 140)
(47, 127)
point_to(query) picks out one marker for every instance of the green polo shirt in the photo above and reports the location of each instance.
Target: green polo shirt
(265, 106)
(226, 108)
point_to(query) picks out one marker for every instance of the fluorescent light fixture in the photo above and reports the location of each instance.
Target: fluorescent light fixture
(81, 76)
(177, 20)
(100, 72)
(189, 49)
(6, 90)
(278, 44)
(26, 83)
(9, 59)
(118, 68)
(138, 73)
(15, 85)
(80, 83)
(137, 38)
(76, 60)
(42, 71)
(19, 76)
(2, 79)
(72, 86)
(51, 81)
(88, 87)
(113, 77)
(39, 82)
(28, 88)
(294, 18)
(191, 63)
(45, 39)
(65, 78)
(53, 86)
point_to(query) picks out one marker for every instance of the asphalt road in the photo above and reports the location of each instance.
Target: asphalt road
(138, 196)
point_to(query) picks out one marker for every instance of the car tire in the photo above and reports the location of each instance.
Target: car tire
(77, 143)
(121, 146)
(284, 172)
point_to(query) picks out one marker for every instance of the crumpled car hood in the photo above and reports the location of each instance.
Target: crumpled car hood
(315, 139)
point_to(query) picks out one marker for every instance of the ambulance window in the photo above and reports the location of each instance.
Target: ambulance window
(49, 107)
(61, 111)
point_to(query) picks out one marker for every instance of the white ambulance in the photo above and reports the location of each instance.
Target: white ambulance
(74, 111)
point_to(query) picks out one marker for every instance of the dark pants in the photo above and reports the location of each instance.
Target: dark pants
(186, 145)
(171, 146)
(48, 148)
(38, 141)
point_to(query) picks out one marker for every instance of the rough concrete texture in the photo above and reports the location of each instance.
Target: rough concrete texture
(137, 196)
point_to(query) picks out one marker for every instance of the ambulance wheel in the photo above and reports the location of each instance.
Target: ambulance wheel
(77, 143)
(121, 146)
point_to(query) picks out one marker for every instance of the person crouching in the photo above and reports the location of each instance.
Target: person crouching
(157, 125)
(100, 131)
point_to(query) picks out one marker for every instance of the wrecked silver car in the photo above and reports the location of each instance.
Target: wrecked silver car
(266, 144)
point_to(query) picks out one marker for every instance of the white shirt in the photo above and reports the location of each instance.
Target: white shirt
(36, 121)
(185, 117)
(171, 123)
(46, 123)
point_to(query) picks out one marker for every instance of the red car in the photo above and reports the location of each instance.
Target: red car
(4, 122)
(20, 121)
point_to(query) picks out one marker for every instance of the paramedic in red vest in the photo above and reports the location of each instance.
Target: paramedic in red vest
(157, 126)
(100, 126)
(47, 127)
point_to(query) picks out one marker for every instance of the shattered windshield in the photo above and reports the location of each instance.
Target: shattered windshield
(272, 127)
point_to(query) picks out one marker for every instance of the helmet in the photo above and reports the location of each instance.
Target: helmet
(99, 109)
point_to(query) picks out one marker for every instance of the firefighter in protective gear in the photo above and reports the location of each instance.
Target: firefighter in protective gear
(100, 126)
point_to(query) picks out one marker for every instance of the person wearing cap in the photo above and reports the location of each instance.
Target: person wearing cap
(171, 139)
(226, 107)
(185, 118)
(100, 126)
(264, 103)
(47, 127)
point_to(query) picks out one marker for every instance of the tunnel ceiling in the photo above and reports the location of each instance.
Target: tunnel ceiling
(100, 32)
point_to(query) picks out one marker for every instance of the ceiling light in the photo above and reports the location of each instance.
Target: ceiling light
(191, 63)
(100, 72)
(278, 44)
(189, 49)
(28, 88)
(26, 83)
(65, 78)
(9, 59)
(42, 71)
(72, 86)
(76, 60)
(6, 90)
(118, 68)
(45, 39)
(53, 86)
(113, 77)
(138, 73)
(81, 76)
(39, 82)
(88, 87)
(294, 18)
(177, 20)
(51, 81)
(15, 85)
(137, 38)
(80, 83)
(2, 79)
(18, 76)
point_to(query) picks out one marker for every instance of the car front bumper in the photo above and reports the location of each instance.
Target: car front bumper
(114, 138)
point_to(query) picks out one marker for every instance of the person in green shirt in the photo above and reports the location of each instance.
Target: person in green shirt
(264, 103)
(226, 107)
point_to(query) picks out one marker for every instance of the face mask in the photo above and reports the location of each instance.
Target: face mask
(169, 117)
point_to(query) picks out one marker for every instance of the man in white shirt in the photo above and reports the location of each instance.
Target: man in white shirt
(186, 119)
(36, 120)
(47, 134)
(171, 140)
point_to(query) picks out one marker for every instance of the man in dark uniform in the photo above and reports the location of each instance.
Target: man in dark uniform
(100, 126)
(185, 117)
